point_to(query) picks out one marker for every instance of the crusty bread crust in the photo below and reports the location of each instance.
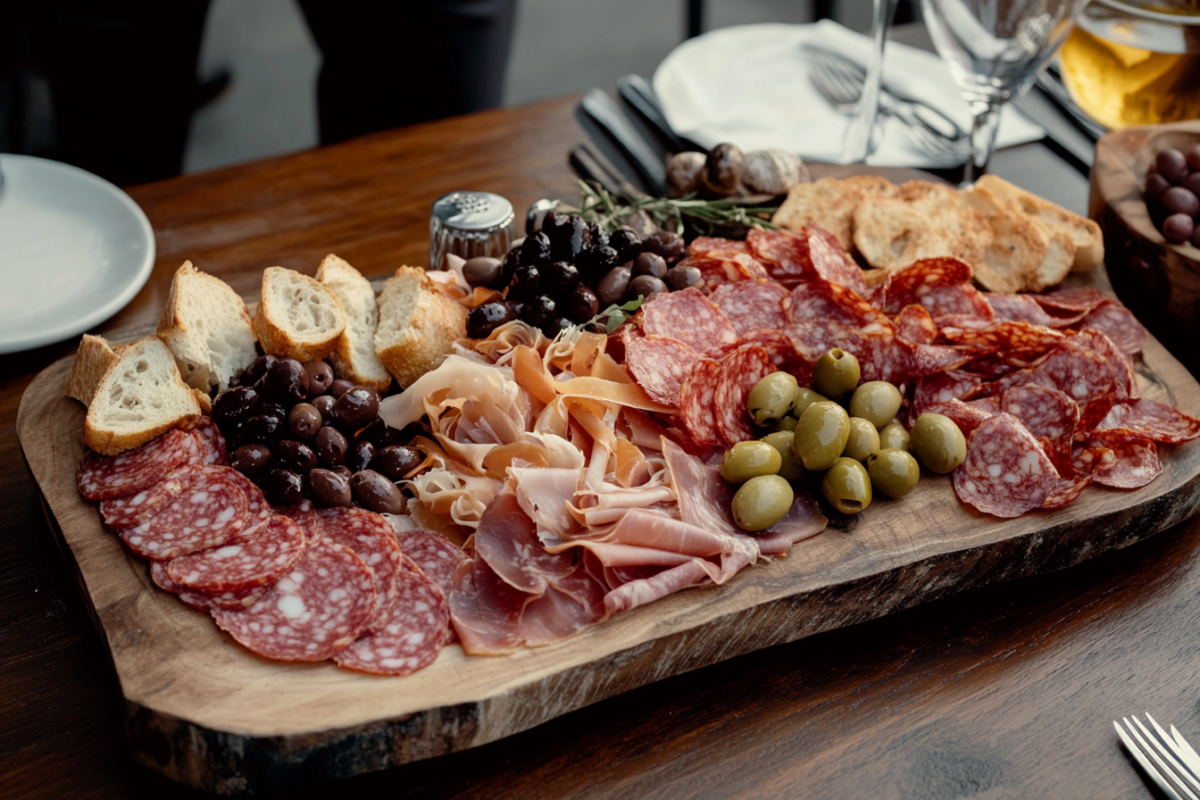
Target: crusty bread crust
(1085, 234)
(922, 220)
(417, 325)
(297, 317)
(91, 362)
(355, 359)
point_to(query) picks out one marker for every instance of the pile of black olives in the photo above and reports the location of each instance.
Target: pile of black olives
(566, 272)
(1173, 194)
(297, 432)
(845, 430)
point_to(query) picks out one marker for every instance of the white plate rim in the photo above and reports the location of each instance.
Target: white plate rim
(50, 334)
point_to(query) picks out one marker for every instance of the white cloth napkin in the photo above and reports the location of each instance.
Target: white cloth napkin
(749, 85)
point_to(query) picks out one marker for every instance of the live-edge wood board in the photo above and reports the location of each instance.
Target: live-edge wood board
(206, 712)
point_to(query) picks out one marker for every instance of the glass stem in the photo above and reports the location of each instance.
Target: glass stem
(983, 137)
(859, 139)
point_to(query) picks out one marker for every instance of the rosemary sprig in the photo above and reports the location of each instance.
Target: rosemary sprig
(704, 216)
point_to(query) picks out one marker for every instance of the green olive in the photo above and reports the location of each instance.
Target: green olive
(875, 401)
(836, 374)
(761, 502)
(847, 486)
(789, 468)
(746, 460)
(894, 437)
(863, 441)
(821, 435)
(805, 397)
(788, 423)
(894, 473)
(772, 398)
(938, 443)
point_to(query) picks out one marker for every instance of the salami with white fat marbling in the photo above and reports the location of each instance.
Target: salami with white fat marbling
(129, 510)
(437, 556)
(372, 539)
(658, 364)
(688, 316)
(234, 601)
(255, 557)
(752, 305)
(211, 509)
(104, 477)
(1006, 473)
(739, 371)
(697, 408)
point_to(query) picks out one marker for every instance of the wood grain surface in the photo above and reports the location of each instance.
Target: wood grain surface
(1004, 691)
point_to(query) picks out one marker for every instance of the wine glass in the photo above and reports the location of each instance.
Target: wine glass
(859, 138)
(994, 49)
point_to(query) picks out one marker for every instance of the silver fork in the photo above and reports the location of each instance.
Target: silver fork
(1168, 759)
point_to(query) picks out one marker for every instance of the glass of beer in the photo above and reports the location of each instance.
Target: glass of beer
(1134, 62)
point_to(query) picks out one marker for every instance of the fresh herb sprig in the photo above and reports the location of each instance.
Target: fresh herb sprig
(615, 315)
(704, 216)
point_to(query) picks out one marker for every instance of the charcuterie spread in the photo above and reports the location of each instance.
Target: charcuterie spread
(507, 452)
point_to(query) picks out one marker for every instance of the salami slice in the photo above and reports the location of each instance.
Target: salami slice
(437, 556)
(1018, 308)
(411, 634)
(913, 284)
(104, 477)
(1135, 458)
(658, 364)
(696, 403)
(966, 299)
(1091, 456)
(1118, 324)
(253, 558)
(317, 609)
(811, 256)
(751, 305)
(828, 302)
(716, 272)
(133, 509)
(915, 326)
(941, 388)
(1066, 492)
(209, 438)
(211, 510)
(1018, 339)
(966, 417)
(234, 601)
(1046, 413)
(783, 354)
(1152, 420)
(372, 539)
(687, 316)
(1005, 473)
(307, 517)
(1070, 301)
(713, 247)
(740, 370)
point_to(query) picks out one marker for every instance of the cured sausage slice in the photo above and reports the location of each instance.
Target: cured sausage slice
(687, 316)
(1005, 473)
(436, 555)
(411, 634)
(1152, 420)
(1046, 413)
(740, 370)
(253, 558)
(966, 417)
(812, 255)
(372, 539)
(1018, 308)
(134, 509)
(103, 477)
(1118, 324)
(783, 354)
(1070, 300)
(658, 364)
(210, 511)
(697, 408)
(209, 438)
(320, 607)
(915, 326)
(1014, 339)
(911, 285)
(1135, 460)
(307, 517)
(822, 302)
(751, 305)
(714, 247)
(235, 601)
(941, 388)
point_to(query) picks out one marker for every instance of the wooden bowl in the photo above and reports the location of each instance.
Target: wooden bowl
(1158, 280)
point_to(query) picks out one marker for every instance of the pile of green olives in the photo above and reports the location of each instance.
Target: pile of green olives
(846, 430)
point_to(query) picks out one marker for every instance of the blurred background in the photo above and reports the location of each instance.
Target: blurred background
(258, 66)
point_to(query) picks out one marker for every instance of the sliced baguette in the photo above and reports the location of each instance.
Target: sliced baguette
(207, 327)
(830, 203)
(1018, 248)
(355, 359)
(297, 316)
(140, 396)
(1084, 233)
(417, 325)
(91, 362)
(922, 220)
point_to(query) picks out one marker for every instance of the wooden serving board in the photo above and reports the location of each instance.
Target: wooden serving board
(206, 712)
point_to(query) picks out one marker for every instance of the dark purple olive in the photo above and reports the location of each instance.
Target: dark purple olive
(329, 488)
(250, 459)
(1192, 157)
(568, 235)
(627, 244)
(343, 470)
(1192, 183)
(483, 271)
(536, 249)
(339, 388)
(1155, 186)
(582, 305)
(1178, 228)
(511, 261)
(395, 461)
(1196, 237)
(379, 433)
(594, 263)
(375, 492)
(1172, 165)
(356, 408)
(261, 429)
(559, 279)
(331, 447)
(644, 286)
(556, 326)
(515, 308)
(670, 246)
(234, 405)
(320, 375)
(282, 487)
(359, 455)
(1178, 200)
(324, 407)
(539, 310)
(293, 456)
(272, 409)
(612, 287)
(486, 317)
(597, 236)
(286, 382)
(649, 264)
(525, 283)
(304, 421)
(681, 277)
(258, 368)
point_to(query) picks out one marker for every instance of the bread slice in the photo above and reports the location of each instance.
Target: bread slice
(1084, 233)
(207, 327)
(921, 220)
(140, 396)
(417, 325)
(830, 203)
(91, 362)
(297, 316)
(355, 359)
(1018, 246)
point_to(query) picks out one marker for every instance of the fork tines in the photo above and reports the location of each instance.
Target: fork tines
(1167, 758)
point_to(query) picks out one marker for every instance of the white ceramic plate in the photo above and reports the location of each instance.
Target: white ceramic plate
(74, 250)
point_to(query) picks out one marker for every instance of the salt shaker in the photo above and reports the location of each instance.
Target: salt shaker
(470, 224)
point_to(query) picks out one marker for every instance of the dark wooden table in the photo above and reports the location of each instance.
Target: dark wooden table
(1003, 692)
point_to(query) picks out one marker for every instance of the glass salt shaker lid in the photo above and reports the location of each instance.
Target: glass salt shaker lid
(470, 224)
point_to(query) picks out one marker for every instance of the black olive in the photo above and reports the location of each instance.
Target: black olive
(356, 408)
(379, 433)
(559, 279)
(627, 244)
(643, 286)
(258, 367)
(582, 305)
(612, 287)
(304, 420)
(535, 249)
(331, 447)
(250, 459)
(596, 235)
(262, 429)
(525, 282)
(376, 492)
(282, 487)
(649, 264)
(670, 246)
(286, 381)
(594, 263)
(515, 307)
(681, 277)
(396, 461)
(539, 311)
(568, 235)
(233, 406)
(329, 488)
(272, 409)
(556, 326)
(320, 375)
(483, 271)
(293, 456)
(486, 317)
(359, 455)
(339, 388)
(511, 262)
(324, 407)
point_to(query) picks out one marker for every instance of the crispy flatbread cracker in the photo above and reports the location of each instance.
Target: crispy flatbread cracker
(830, 203)
(1018, 247)
(922, 220)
